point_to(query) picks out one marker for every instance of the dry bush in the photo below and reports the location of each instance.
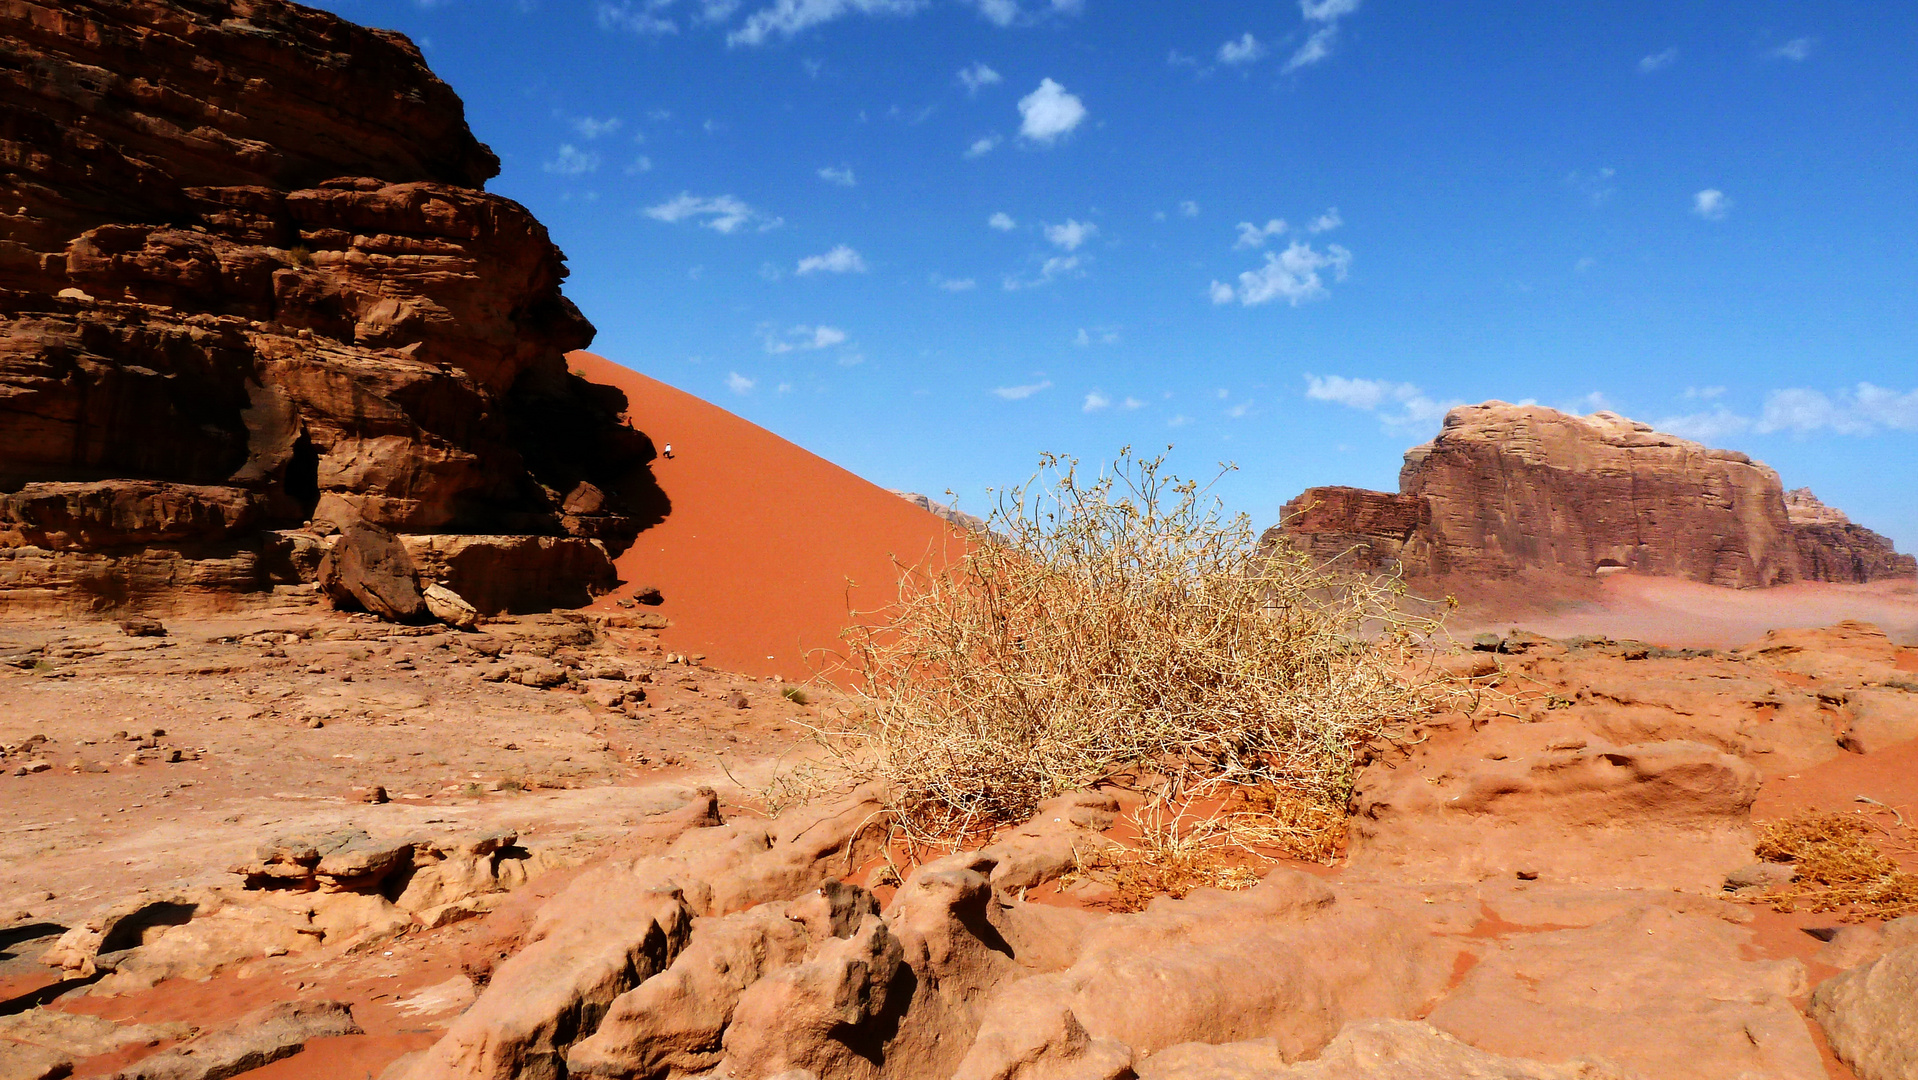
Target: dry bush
(1124, 625)
(1840, 862)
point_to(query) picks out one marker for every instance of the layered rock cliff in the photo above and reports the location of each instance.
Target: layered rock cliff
(1508, 488)
(252, 293)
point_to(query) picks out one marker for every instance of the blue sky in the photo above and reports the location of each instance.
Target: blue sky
(930, 239)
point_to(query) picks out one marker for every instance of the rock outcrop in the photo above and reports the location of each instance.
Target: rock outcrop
(252, 293)
(1510, 488)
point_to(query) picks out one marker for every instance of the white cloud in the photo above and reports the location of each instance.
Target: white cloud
(1703, 393)
(1189, 208)
(590, 128)
(954, 284)
(1326, 222)
(1795, 49)
(1244, 50)
(572, 162)
(840, 260)
(1020, 393)
(1052, 269)
(982, 146)
(1180, 420)
(1711, 204)
(1004, 13)
(978, 75)
(1071, 235)
(1658, 61)
(1292, 276)
(805, 338)
(1104, 335)
(1131, 403)
(789, 17)
(1397, 405)
(740, 384)
(1862, 410)
(1002, 221)
(841, 176)
(640, 164)
(1706, 427)
(1318, 45)
(723, 214)
(1096, 402)
(1049, 112)
(1255, 236)
(640, 18)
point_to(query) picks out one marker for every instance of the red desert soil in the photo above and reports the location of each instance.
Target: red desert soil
(768, 549)
(1687, 614)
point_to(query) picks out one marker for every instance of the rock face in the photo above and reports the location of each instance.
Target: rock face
(1508, 488)
(250, 285)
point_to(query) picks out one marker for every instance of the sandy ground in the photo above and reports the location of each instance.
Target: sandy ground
(1688, 615)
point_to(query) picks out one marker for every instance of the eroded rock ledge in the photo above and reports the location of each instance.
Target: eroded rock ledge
(252, 293)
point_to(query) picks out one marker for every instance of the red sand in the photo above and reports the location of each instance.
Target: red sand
(1686, 614)
(768, 550)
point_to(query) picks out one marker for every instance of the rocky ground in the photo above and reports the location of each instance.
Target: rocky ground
(568, 877)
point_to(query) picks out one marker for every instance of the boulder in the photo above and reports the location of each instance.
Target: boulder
(449, 607)
(369, 569)
(1870, 1015)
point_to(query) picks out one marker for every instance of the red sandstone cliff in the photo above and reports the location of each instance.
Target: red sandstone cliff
(1506, 488)
(251, 293)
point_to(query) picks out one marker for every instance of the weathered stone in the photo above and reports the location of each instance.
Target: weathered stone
(449, 607)
(1508, 488)
(370, 569)
(1870, 1015)
(254, 1041)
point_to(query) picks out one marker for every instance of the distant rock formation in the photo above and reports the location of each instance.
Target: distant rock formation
(252, 293)
(969, 522)
(1507, 488)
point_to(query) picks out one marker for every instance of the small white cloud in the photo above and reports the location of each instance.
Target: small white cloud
(1584, 263)
(1071, 235)
(788, 17)
(1318, 45)
(1658, 61)
(1131, 403)
(640, 164)
(983, 145)
(1004, 13)
(1711, 204)
(1292, 276)
(1180, 420)
(977, 76)
(1000, 13)
(840, 260)
(954, 284)
(571, 161)
(1326, 222)
(740, 384)
(1002, 221)
(1049, 113)
(1255, 236)
(1703, 393)
(1020, 393)
(723, 214)
(1096, 402)
(1863, 410)
(841, 176)
(1795, 49)
(1710, 426)
(589, 128)
(784, 388)
(1244, 50)
(1188, 208)
(804, 338)
(1239, 411)
(1051, 270)
(770, 271)
(1398, 405)
(639, 18)
(1597, 185)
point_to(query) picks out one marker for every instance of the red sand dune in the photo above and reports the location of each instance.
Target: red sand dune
(769, 549)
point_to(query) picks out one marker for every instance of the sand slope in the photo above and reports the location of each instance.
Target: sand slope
(768, 549)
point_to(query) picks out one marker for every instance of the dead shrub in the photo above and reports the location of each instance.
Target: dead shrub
(1840, 862)
(1123, 624)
